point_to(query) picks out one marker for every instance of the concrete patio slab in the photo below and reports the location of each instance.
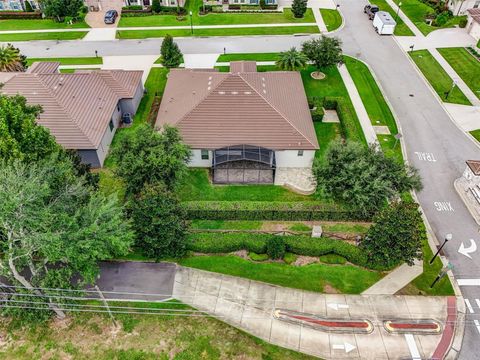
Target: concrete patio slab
(200, 61)
(130, 62)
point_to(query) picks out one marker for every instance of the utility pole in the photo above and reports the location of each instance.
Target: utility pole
(106, 304)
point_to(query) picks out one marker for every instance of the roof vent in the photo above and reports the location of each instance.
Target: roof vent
(221, 92)
(234, 92)
(264, 91)
(247, 92)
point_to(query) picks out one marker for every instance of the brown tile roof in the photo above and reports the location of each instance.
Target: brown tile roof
(474, 165)
(243, 66)
(475, 14)
(213, 110)
(76, 107)
(44, 67)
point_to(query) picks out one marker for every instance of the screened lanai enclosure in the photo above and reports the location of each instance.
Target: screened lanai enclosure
(243, 164)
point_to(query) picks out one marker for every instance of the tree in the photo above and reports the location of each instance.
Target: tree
(323, 52)
(11, 59)
(396, 236)
(156, 7)
(20, 136)
(159, 222)
(363, 177)
(53, 230)
(299, 7)
(147, 156)
(291, 60)
(170, 52)
(28, 6)
(59, 9)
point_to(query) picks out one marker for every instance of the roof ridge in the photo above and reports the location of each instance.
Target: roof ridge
(278, 111)
(72, 118)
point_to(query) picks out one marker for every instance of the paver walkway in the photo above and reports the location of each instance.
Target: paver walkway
(251, 305)
(362, 114)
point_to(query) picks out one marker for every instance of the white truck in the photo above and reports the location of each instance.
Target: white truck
(384, 23)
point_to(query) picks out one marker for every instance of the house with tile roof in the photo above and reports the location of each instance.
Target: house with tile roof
(247, 126)
(473, 22)
(83, 109)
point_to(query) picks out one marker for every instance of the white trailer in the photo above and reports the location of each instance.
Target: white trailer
(384, 23)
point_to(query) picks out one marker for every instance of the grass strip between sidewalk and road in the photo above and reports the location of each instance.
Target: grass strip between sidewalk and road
(331, 18)
(465, 65)
(70, 60)
(438, 77)
(280, 30)
(34, 36)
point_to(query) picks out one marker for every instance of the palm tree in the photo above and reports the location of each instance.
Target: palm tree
(291, 60)
(11, 59)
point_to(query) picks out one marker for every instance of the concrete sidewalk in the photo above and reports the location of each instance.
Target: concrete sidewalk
(251, 305)
(319, 19)
(405, 18)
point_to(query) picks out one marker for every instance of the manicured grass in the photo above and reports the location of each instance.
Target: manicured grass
(401, 29)
(465, 65)
(326, 133)
(347, 279)
(476, 134)
(197, 186)
(438, 77)
(252, 56)
(333, 259)
(225, 225)
(390, 146)
(354, 228)
(300, 227)
(70, 60)
(331, 18)
(283, 30)
(68, 35)
(417, 12)
(139, 337)
(372, 98)
(38, 24)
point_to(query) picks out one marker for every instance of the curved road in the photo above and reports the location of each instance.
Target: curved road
(425, 125)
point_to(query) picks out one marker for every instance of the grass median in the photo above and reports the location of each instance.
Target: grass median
(331, 18)
(35, 36)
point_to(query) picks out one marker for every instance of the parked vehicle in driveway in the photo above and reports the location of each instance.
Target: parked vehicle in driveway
(110, 16)
(370, 10)
(384, 23)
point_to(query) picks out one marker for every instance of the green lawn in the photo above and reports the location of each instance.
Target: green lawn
(139, 337)
(283, 30)
(326, 133)
(331, 18)
(466, 66)
(417, 12)
(69, 35)
(70, 60)
(347, 279)
(401, 29)
(34, 24)
(476, 134)
(226, 225)
(252, 56)
(438, 77)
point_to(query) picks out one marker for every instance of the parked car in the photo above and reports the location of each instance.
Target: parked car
(110, 16)
(370, 10)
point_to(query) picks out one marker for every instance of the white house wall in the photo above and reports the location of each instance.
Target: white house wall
(473, 29)
(290, 158)
(460, 7)
(196, 160)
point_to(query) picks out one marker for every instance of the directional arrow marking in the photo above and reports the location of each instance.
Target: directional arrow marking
(345, 346)
(468, 250)
(336, 306)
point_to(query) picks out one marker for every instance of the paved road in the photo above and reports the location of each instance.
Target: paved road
(424, 123)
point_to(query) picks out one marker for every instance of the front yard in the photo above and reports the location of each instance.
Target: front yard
(331, 18)
(31, 36)
(32, 24)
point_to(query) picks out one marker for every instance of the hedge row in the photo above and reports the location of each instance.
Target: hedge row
(164, 10)
(264, 210)
(297, 244)
(4, 15)
(349, 123)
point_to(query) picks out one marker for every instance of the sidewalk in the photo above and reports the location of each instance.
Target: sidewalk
(405, 18)
(253, 307)
(318, 18)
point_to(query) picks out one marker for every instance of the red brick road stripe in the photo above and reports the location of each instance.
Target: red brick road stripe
(337, 324)
(431, 326)
(449, 330)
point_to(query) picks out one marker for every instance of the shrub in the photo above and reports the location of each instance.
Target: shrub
(156, 8)
(204, 9)
(290, 258)
(317, 113)
(4, 15)
(299, 7)
(463, 22)
(28, 7)
(442, 18)
(257, 257)
(132, 7)
(349, 124)
(276, 247)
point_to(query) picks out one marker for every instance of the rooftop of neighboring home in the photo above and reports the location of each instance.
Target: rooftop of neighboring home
(216, 109)
(474, 165)
(475, 14)
(78, 106)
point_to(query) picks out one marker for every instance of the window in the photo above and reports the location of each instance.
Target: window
(476, 5)
(204, 154)
(110, 125)
(300, 153)
(118, 107)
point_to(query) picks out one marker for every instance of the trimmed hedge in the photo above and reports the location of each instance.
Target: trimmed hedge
(317, 112)
(296, 244)
(132, 7)
(349, 123)
(268, 210)
(4, 15)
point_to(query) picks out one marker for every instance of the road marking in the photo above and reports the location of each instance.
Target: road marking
(412, 346)
(478, 302)
(469, 306)
(336, 306)
(443, 206)
(468, 250)
(345, 346)
(468, 282)
(425, 156)
(477, 324)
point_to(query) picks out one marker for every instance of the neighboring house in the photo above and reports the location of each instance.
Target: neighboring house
(473, 24)
(82, 110)
(17, 5)
(247, 126)
(146, 3)
(460, 7)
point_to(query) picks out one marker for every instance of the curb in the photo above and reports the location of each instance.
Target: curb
(465, 201)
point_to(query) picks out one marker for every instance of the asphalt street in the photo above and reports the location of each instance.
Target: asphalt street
(425, 125)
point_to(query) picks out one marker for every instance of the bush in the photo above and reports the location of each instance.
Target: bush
(262, 210)
(442, 18)
(463, 22)
(156, 8)
(290, 258)
(132, 7)
(234, 7)
(4, 15)
(318, 113)
(257, 257)
(348, 123)
(28, 7)
(276, 247)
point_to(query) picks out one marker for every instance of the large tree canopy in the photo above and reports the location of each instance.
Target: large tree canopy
(59, 9)
(11, 59)
(53, 228)
(323, 52)
(171, 54)
(291, 60)
(147, 156)
(363, 177)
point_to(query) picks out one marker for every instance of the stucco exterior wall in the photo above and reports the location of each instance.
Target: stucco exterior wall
(473, 28)
(290, 158)
(459, 7)
(102, 150)
(131, 105)
(89, 157)
(196, 160)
